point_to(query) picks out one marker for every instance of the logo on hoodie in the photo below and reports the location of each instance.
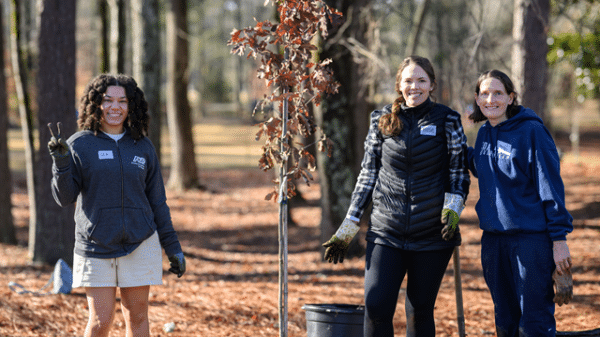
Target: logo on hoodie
(486, 150)
(139, 161)
(502, 151)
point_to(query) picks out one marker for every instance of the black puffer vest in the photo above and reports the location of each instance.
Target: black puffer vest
(409, 193)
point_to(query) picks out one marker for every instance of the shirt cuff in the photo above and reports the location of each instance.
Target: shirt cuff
(353, 218)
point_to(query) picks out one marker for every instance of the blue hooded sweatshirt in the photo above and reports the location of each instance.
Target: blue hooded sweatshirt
(520, 187)
(119, 192)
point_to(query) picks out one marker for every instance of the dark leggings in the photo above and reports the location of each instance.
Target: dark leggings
(384, 271)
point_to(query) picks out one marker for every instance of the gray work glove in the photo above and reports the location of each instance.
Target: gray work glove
(563, 284)
(177, 264)
(57, 146)
(337, 246)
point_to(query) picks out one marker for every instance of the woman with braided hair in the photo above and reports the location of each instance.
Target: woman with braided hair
(414, 171)
(111, 170)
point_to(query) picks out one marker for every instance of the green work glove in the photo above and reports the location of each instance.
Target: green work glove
(337, 246)
(177, 264)
(563, 284)
(450, 221)
(453, 206)
(57, 146)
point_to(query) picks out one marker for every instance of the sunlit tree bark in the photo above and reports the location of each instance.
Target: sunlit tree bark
(25, 115)
(7, 227)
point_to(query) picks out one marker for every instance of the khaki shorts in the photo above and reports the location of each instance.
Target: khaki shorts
(140, 268)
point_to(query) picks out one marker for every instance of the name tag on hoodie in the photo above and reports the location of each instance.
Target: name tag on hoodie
(105, 155)
(428, 130)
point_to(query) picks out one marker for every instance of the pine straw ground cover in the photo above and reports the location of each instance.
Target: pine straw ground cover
(229, 236)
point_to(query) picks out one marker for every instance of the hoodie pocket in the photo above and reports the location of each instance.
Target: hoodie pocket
(107, 229)
(138, 224)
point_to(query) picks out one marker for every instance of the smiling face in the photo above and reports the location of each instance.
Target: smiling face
(114, 110)
(493, 100)
(415, 85)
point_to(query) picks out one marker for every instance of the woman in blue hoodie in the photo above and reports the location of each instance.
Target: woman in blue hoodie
(111, 171)
(521, 211)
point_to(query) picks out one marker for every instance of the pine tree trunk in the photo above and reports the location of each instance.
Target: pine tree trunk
(147, 62)
(345, 119)
(529, 65)
(55, 227)
(103, 41)
(184, 172)
(117, 36)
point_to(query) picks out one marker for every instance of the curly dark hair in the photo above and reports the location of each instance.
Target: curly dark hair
(90, 113)
(511, 110)
(390, 124)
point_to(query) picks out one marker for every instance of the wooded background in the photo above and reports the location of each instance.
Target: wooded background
(177, 51)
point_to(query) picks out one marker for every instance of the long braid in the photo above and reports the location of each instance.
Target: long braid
(390, 124)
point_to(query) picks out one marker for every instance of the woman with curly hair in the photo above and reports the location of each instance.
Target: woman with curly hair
(414, 172)
(111, 170)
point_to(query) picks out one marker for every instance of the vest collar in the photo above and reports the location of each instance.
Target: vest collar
(423, 107)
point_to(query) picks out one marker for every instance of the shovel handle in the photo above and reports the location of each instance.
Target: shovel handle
(460, 313)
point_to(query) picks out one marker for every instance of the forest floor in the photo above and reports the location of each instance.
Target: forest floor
(229, 236)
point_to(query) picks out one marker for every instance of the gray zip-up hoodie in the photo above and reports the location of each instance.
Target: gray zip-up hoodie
(119, 191)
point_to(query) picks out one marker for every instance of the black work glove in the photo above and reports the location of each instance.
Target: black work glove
(564, 287)
(337, 246)
(177, 264)
(57, 146)
(335, 250)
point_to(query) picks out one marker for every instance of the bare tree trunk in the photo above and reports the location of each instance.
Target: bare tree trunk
(55, 226)
(529, 65)
(103, 41)
(7, 226)
(147, 62)
(25, 114)
(413, 38)
(344, 118)
(28, 27)
(184, 172)
(117, 36)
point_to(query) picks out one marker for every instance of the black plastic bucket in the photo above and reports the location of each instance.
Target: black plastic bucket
(334, 320)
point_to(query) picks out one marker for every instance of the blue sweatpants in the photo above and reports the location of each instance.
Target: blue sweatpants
(518, 271)
(384, 272)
